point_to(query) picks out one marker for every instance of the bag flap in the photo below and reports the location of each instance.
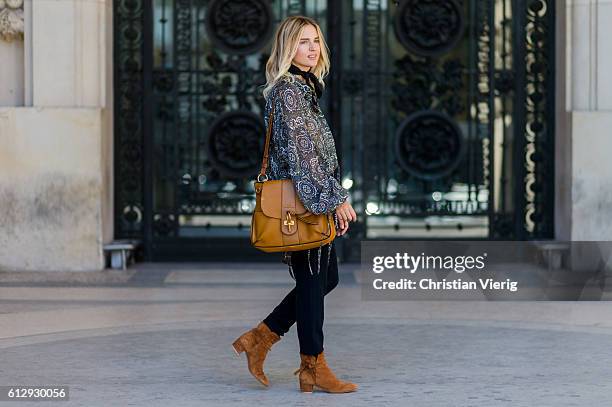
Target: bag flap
(278, 196)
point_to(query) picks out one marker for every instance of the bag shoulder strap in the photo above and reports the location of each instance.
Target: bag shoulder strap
(264, 162)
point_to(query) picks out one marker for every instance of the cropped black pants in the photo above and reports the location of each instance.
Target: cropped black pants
(304, 303)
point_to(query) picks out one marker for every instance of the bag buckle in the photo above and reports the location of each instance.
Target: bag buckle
(289, 221)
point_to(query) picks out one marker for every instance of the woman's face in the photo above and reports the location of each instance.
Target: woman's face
(308, 50)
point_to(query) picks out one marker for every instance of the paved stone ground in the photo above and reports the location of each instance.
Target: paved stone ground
(165, 341)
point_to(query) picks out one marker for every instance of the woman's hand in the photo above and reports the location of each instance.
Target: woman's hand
(345, 214)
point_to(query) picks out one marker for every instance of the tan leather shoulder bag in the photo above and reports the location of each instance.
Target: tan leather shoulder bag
(280, 222)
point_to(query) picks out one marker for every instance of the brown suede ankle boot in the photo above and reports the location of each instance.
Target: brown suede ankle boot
(314, 372)
(256, 343)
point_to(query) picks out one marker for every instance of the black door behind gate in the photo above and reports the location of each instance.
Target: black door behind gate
(442, 113)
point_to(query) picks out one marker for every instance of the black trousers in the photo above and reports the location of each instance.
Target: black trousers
(304, 303)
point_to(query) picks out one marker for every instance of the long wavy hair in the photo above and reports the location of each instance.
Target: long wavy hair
(284, 48)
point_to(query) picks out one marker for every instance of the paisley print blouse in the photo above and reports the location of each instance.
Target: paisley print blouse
(302, 147)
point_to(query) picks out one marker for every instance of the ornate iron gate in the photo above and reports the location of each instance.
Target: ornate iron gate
(442, 113)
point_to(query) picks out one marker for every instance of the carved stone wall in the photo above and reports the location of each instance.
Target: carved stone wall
(11, 20)
(12, 47)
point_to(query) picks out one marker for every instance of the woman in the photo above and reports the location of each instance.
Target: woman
(302, 148)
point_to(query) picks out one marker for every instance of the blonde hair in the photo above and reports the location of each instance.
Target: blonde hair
(284, 48)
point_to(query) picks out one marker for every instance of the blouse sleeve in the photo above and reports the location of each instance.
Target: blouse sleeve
(319, 192)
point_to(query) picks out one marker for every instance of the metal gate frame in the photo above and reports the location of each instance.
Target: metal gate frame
(533, 67)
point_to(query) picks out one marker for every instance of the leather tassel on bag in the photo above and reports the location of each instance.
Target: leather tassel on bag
(287, 259)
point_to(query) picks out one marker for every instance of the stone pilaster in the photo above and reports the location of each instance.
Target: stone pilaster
(589, 105)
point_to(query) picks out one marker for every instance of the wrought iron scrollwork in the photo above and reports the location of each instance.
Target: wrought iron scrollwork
(429, 144)
(129, 49)
(537, 127)
(429, 27)
(420, 83)
(239, 26)
(235, 144)
(502, 226)
(164, 224)
(504, 81)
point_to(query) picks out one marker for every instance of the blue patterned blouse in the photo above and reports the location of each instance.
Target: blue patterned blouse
(302, 146)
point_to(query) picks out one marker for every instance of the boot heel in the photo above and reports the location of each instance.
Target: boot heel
(306, 388)
(237, 347)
